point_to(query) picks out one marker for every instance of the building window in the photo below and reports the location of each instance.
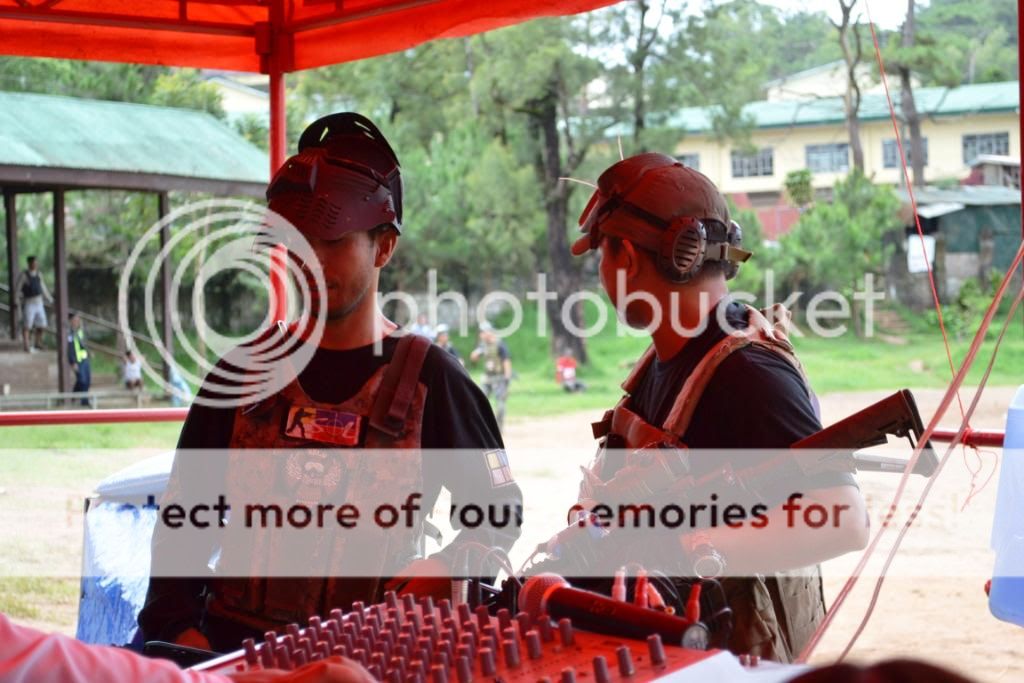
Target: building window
(985, 143)
(828, 158)
(891, 152)
(691, 160)
(760, 163)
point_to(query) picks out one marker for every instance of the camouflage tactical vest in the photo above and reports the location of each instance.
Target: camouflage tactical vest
(288, 469)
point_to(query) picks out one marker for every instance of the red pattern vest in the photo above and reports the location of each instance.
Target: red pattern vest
(275, 468)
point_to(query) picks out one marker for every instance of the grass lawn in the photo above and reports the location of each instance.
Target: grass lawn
(845, 363)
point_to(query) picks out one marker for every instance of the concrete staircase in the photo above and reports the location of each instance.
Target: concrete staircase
(26, 373)
(891, 322)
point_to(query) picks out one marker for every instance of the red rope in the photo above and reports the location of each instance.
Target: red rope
(933, 424)
(913, 201)
(958, 379)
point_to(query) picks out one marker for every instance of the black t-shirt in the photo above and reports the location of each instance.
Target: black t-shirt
(456, 416)
(755, 400)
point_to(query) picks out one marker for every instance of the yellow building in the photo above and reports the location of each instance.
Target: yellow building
(958, 125)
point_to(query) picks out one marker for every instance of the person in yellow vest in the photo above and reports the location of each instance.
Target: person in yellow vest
(366, 386)
(78, 357)
(718, 375)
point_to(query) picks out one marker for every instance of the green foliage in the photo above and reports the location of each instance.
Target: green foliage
(964, 314)
(799, 188)
(978, 38)
(254, 129)
(835, 243)
(471, 215)
(750, 277)
(186, 89)
(97, 80)
(931, 58)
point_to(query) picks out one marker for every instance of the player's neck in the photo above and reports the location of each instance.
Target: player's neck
(686, 315)
(361, 327)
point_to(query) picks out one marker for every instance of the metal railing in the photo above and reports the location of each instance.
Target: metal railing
(57, 399)
(93, 320)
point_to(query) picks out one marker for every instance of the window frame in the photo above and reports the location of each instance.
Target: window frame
(760, 164)
(830, 151)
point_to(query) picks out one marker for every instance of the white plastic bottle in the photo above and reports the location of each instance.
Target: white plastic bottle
(1006, 596)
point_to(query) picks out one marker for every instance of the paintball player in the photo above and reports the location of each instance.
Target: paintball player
(718, 375)
(497, 368)
(373, 388)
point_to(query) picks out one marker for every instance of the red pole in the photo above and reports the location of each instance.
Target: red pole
(278, 153)
(985, 438)
(34, 418)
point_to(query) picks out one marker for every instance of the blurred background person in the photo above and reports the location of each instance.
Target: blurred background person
(131, 370)
(423, 327)
(78, 357)
(31, 293)
(497, 368)
(442, 339)
(565, 372)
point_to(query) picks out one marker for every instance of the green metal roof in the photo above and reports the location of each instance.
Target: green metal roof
(981, 98)
(117, 144)
(968, 195)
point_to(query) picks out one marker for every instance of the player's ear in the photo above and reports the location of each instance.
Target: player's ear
(385, 240)
(630, 262)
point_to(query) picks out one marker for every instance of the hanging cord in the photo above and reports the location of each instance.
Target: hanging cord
(975, 490)
(944, 403)
(931, 480)
(913, 199)
(933, 424)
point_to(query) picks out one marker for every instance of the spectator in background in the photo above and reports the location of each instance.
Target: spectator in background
(445, 342)
(181, 393)
(30, 291)
(565, 372)
(132, 371)
(497, 368)
(78, 357)
(422, 327)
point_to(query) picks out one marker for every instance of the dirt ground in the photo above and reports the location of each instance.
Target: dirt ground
(933, 604)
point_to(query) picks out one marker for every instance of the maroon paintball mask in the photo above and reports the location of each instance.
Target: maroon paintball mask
(345, 178)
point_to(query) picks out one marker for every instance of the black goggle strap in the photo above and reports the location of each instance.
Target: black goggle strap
(344, 123)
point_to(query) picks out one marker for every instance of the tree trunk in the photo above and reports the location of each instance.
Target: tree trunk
(910, 115)
(851, 100)
(565, 274)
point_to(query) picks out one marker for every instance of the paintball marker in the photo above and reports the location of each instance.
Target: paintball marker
(896, 415)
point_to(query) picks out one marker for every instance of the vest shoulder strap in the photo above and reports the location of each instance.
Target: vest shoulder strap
(602, 427)
(398, 387)
(638, 370)
(767, 330)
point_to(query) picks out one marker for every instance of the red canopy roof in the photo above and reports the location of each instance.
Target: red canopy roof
(252, 35)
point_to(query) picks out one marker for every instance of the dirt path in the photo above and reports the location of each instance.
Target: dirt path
(932, 606)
